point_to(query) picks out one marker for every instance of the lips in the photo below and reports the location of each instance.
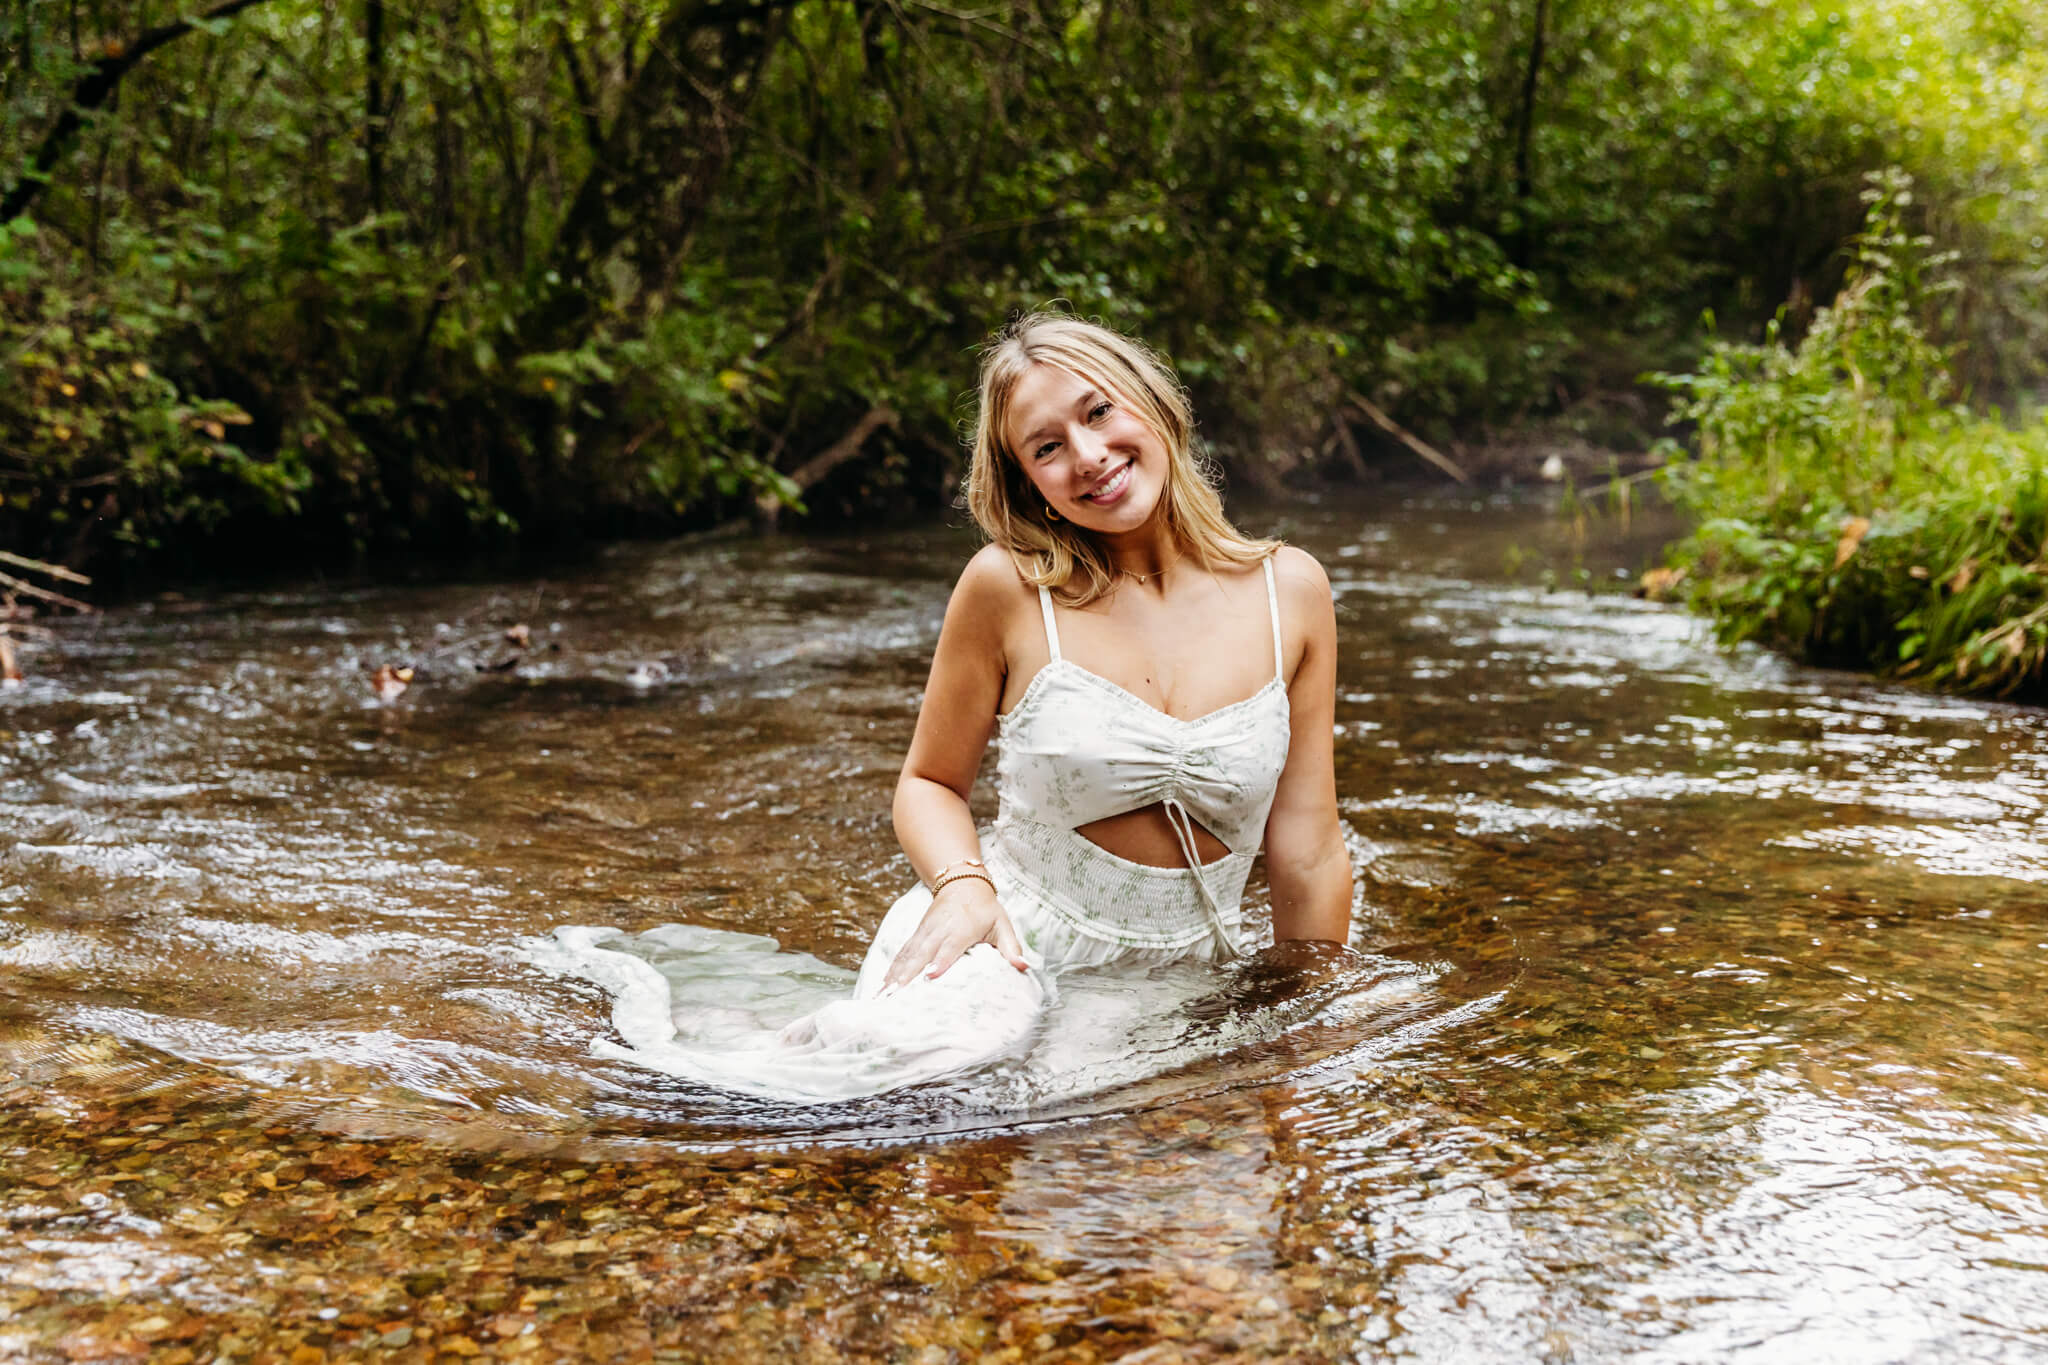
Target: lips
(1111, 488)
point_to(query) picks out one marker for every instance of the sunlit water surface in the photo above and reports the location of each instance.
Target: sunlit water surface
(1697, 1013)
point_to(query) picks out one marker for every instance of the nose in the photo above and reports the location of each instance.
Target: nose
(1088, 446)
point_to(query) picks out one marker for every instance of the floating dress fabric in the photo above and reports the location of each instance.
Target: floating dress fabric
(711, 1006)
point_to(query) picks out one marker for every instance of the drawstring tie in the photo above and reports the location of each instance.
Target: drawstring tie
(1184, 830)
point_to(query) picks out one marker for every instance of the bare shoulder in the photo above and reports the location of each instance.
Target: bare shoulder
(1304, 587)
(991, 578)
(989, 593)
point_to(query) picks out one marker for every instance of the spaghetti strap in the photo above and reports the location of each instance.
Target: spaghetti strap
(1272, 611)
(1052, 632)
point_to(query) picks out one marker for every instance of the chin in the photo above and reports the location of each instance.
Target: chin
(1132, 514)
(1141, 502)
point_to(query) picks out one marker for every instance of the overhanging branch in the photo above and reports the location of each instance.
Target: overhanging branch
(92, 91)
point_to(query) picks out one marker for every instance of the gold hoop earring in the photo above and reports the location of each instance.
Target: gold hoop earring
(1051, 515)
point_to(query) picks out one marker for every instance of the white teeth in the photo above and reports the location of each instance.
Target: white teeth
(1110, 484)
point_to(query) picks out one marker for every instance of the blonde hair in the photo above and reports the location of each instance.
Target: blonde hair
(1056, 554)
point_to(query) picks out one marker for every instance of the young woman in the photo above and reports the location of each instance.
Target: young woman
(1162, 690)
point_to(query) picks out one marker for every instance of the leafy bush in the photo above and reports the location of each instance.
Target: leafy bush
(1850, 511)
(99, 440)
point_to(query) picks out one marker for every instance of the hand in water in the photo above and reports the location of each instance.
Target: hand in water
(964, 914)
(1278, 973)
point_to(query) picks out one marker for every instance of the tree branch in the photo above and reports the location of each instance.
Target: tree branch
(38, 566)
(21, 585)
(586, 101)
(1407, 437)
(807, 475)
(92, 91)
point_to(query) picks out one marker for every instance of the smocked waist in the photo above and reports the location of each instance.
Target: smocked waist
(1112, 898)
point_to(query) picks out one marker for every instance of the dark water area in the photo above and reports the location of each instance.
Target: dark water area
(1698, 1016)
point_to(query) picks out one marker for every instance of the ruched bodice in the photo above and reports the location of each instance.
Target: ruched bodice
(1077, 748)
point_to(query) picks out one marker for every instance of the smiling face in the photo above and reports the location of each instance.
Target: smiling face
(1088, 455)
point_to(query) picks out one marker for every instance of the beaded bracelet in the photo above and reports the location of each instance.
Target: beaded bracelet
(953, 872)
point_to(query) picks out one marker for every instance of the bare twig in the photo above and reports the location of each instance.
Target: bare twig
(1352, 455)
(804, 313)
(969, 20)
(22, 585)
(38, 566)
(1407, 437)
(1622, 481)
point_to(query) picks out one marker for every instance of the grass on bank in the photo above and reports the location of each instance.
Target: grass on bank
(1849, 510)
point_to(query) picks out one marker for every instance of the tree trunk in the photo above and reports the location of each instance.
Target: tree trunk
(373, 101)
(661, 158)
(649, 184)
(807, 475)
(1525, 127)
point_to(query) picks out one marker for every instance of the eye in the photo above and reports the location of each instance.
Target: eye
(1099, 411)
(1048, 448)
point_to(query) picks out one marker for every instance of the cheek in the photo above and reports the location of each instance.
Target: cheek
(1138, 434)
(1038, 478)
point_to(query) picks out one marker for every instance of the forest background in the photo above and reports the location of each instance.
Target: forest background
(299, 283)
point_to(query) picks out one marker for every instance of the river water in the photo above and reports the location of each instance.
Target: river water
(1699, 1013)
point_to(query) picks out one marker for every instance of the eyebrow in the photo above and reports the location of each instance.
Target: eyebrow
(1086, 401)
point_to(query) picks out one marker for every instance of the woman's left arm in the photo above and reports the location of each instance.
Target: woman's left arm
(1307, 864)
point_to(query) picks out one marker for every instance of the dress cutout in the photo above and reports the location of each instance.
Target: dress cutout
(1076, 748)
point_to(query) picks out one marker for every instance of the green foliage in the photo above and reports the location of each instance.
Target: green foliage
(1849, 512)
(100, 440)
(477, 269)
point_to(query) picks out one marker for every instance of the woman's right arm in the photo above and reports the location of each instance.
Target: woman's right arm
(932, 819)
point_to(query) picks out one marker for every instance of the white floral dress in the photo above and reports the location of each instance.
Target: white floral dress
(734, 1011)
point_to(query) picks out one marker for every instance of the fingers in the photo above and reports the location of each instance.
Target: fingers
(925, 955)
(944, 936)
(1007, 943)
(945, 957)
(910, 959)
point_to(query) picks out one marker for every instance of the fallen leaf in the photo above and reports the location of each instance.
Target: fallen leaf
(1853, 531)
(343, 1164)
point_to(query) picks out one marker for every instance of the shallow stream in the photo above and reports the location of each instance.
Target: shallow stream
(1701, 1016)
